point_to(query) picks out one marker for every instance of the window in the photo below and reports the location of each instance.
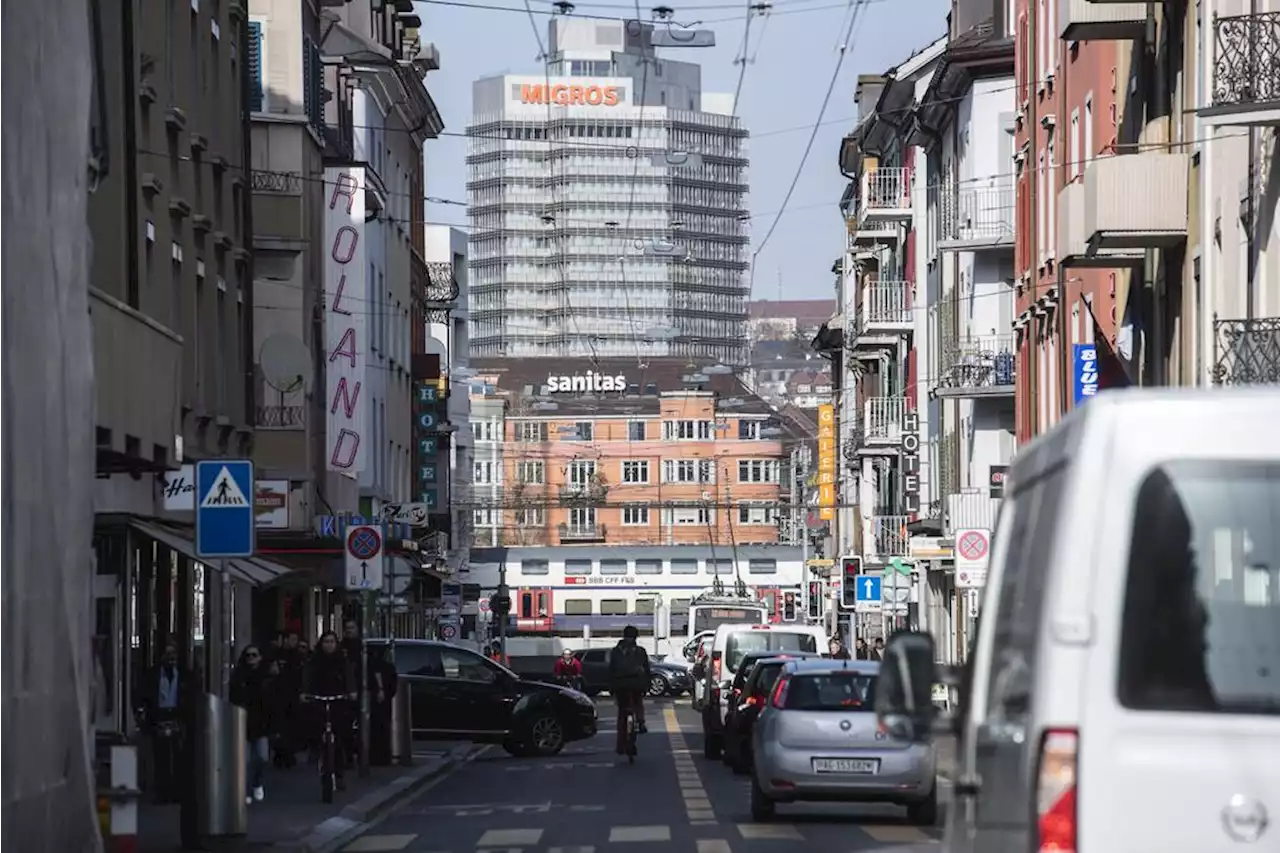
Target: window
(256, 93)
(635, 431)
(739, 643)
(1088, 129)
(613, 567)
(761, 566)
(577, 607)
(748, 430)
(644, 607)
(535, 567)
(636, 514)
(482, 473)
(531, 432)
(720, 567)
(583, 431)
(836, 691)
(580, 472)
(577, 568)
(688, 514)
(484, 430)
(222, 345)
(635, 471)
(613, 607)
(688, 430)
(688, 471)
(684, 567)
(758, 470)
(757, 514)
(531, 473)
(1201, 628)
(680, 605)
(482, 517)
(531, 517)
(582, 518)
(1073, 167)
(462, 665)
(1041, 202)
(648, 567)
(1051, 206)
(312, 84)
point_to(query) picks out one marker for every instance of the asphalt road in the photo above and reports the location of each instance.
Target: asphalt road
(587, 800)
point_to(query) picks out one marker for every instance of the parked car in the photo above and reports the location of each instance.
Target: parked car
(459, 694)
(669, 679)
(756, 675)
(819, 739)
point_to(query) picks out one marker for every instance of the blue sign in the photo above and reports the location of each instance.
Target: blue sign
(427, 420)
(429, 498)
(427, 446)
(427, 473)
(868, 588)
(225, 518)
(1084, 372)
(428, 394)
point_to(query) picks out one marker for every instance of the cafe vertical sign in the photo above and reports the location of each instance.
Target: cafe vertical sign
(826, 462)
(346, 309)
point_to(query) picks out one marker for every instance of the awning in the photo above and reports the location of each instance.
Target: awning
(252, 570)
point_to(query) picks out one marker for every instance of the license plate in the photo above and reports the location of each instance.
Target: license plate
(860, 766)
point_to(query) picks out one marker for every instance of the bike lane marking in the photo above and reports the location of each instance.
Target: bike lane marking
(696, 802)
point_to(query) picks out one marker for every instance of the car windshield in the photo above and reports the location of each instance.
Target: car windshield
(742, 643)
(832, 691)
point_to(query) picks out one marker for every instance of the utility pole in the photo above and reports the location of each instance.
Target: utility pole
(50, 418)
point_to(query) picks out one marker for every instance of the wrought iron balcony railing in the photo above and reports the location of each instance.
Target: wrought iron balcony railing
(976, 215)
(885, 304)
(281, 417)
(889, 537)
(884, 418)
(1247, 70)
(1248, 351)
(592, 491)
(582, 532)
(886, 189)
(977, 362)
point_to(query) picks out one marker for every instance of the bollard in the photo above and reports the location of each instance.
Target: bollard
(402, 726)
(118, 802)
(220, 768)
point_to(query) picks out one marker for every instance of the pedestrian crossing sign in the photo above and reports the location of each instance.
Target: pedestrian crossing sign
(226, 524)
(224, 492)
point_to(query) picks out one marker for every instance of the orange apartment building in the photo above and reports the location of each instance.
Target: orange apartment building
(618, 452)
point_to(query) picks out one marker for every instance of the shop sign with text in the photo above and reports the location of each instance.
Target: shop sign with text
(569, 95)
(347, 301)
(586, 383)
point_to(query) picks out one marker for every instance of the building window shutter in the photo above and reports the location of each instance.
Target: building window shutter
(312, 83)
(255, 66)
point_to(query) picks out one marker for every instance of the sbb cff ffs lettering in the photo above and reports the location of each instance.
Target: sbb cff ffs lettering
(788, 607)
(850, 569)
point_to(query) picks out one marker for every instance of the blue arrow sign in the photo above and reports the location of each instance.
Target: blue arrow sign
(868, 588)
(225, 518)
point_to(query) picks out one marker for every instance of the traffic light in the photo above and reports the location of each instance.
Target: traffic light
(815, 599)
(788, 607)
(850, 568)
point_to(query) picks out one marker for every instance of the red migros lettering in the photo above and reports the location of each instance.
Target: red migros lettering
(569, 94)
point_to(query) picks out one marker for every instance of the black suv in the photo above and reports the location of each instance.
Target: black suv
(459, 694)
(669, 679)
(756, 675)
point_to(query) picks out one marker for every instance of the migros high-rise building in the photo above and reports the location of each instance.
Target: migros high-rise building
(608, 205)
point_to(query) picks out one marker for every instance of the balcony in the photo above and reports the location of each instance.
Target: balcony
(1135, 202)
(887, 538)
(884, 316)
(1248, 351)
(1086, 20)
(970, 510)
(976, 217)
(1246, 74)
(885, 196)
(883, 421)
(583, 532)
(280, 417)
(863, 234)
(1073, 244)
(976, 366)
(137, 421)
(594, 490)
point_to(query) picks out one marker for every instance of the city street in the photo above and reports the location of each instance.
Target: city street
(585, 800)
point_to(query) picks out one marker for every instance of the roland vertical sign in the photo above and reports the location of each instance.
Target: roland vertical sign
(826, 461)
(346, 309)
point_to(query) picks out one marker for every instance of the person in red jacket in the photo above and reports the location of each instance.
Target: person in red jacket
(569, 669)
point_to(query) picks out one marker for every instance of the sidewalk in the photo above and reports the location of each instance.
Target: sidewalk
(292, 815)
(946, 751)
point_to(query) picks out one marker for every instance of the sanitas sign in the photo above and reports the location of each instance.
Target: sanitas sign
(587, 383)
(569, 95)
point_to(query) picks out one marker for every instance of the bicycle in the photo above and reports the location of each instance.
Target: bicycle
(629, 720)
(328, 741)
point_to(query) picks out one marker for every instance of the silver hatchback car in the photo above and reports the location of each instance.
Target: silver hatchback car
(817, 739)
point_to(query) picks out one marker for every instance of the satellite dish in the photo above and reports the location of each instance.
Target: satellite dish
(285, 363)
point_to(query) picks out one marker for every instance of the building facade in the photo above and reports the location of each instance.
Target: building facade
(623, 454)
(608, 205)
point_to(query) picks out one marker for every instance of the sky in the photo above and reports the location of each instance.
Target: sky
(793, 53)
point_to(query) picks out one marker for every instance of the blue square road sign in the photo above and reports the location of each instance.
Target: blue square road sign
(868, 588)
(225, 518)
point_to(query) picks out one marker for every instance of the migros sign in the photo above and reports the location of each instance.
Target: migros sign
(569, 95)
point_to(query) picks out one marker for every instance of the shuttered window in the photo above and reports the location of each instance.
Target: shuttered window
(255, 66)
(313, 84)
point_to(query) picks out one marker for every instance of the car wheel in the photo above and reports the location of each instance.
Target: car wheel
(546, 735)
(762, 808)
(658, 686)
(515, 747)
(924, 812)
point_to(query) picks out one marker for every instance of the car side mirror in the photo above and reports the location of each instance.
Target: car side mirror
(904, 690)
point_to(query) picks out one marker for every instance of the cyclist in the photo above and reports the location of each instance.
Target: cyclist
(330, 673)
(568, 669)
(629, 679)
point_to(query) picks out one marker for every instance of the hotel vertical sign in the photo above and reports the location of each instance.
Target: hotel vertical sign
(826, 461)
(346, 303)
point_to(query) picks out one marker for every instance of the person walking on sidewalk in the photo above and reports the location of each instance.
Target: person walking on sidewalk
(251, 689)
(329, 673)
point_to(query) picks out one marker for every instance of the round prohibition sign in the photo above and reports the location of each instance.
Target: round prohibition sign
(363, 543)
(973, 545)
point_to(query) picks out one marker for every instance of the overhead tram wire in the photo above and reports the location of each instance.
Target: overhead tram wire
(492, 7)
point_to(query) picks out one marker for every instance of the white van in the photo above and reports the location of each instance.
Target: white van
(727, 648)
(1123, 691)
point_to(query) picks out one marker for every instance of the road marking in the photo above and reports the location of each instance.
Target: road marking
(713, 845)
(509, 837)
(586, 848)
(379, 843)
(769, 831)
(891, 834)
(701, 814)
(697, 804)
(619, 834)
